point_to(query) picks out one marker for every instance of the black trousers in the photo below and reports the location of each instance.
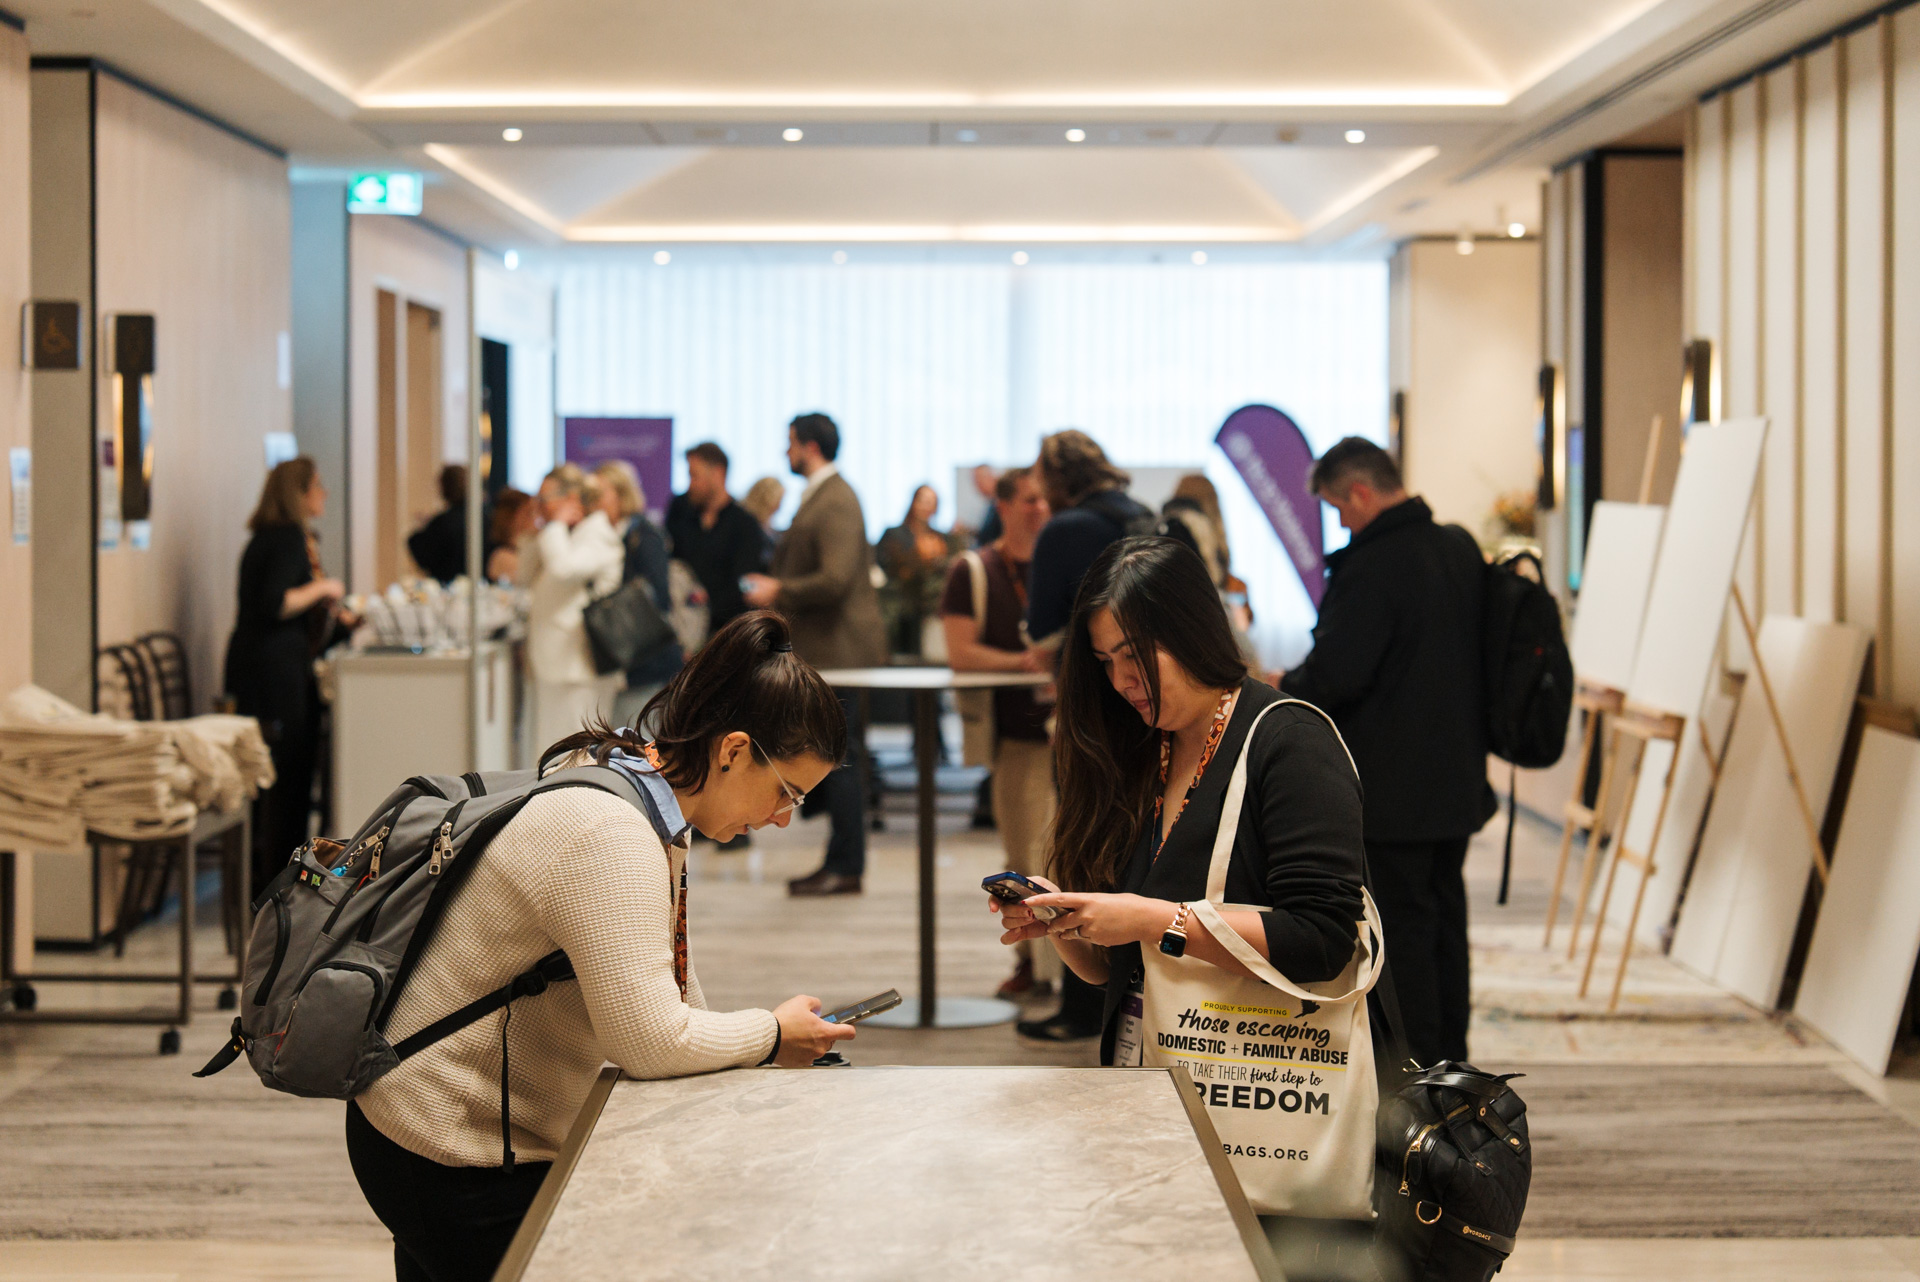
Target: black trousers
(293, 741)
(1422, 898)
(449, 1223)
(843, 795)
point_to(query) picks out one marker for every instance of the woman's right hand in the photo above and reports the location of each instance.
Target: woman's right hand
(804, 1036)
(330, 589)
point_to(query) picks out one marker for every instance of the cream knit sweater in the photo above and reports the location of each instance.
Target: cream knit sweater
(577, 869)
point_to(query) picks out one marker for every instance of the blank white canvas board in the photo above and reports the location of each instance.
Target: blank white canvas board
(1748, 884)
(1622, 547)
(1867, 937)
(1699, 547)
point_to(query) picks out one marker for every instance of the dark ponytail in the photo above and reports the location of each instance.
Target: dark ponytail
(746, 678)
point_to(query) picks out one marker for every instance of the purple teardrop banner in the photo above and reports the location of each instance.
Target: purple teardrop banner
(1274, 459)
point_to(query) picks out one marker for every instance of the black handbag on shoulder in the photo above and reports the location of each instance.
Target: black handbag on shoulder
(624, 627)
(1453, 1163)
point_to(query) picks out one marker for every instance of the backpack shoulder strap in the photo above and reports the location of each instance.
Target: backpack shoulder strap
(556, 967)
(977, 574)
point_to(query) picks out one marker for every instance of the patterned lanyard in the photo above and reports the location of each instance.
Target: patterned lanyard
(1214, 734)
(680, 904)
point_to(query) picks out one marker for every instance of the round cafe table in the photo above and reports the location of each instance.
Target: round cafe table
(929, 1010)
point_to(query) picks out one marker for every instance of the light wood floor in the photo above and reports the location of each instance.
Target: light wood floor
(754, 946)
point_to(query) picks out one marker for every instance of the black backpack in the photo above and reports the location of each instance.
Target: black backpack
(1528, 677)
(1122, 509)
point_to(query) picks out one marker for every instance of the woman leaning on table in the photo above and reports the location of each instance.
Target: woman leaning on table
(743, 733)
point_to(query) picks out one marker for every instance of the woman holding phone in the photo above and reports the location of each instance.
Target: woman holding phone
(1155, 709)
(742, 733)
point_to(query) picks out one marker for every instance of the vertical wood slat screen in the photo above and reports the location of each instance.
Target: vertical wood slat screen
(931, 367)
(1804, 203)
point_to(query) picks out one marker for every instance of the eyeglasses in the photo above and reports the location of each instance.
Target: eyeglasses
(795, 799)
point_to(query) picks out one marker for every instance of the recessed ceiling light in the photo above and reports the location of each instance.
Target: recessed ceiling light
(839, 257)
(967, 135)
(1199, 258)
(1076, 135)
(661, 257)
(1356, 135)
(793, 135)
(1019, 258)
(1516, 230)
(511, 134)
(512, 260)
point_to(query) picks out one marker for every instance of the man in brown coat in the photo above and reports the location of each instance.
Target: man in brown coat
(822, 580)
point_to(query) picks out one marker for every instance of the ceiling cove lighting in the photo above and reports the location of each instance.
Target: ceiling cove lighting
(793, 135)
(1076, 135)
(1356, 136)
(511, 134)
(1181, 98)
(1199, 258)
(1019, 258)
(661, 258)
(990, 233)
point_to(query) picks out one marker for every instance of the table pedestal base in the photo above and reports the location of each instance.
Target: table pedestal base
(949, 1012)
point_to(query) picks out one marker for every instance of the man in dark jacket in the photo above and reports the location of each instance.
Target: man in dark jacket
(1091, 511)
(717, 538)
(1396, 663)
(439, 547)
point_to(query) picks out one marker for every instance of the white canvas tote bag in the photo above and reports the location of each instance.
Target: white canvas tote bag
(1285, 1069)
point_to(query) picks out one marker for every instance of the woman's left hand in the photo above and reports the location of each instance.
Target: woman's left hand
(1107, 920)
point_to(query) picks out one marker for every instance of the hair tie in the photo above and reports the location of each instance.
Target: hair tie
(781, 647)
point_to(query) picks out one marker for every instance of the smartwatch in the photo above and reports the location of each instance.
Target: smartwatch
(1174, 941)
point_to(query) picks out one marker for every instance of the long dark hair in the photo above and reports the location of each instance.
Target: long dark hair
(746, 678)
(1106, 759)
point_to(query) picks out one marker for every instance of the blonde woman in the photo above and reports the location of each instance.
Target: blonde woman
(575, 557)
(625, 504)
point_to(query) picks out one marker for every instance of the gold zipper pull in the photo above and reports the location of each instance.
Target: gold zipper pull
(442, 849)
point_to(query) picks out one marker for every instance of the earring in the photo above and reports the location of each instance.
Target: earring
(724, 769)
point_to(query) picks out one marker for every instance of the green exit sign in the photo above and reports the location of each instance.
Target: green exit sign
(384, 193)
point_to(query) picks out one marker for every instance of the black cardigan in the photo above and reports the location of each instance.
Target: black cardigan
(1298, 849)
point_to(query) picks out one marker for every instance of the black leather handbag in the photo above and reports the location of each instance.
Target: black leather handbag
(625, 626)
(1453, 1163)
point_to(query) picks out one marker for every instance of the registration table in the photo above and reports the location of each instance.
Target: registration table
(930, 1010)
(894, 1175)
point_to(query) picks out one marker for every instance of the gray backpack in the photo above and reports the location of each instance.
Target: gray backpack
(339, 932)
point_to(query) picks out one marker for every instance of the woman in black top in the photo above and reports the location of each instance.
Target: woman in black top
(1155, 706)
(286, 617)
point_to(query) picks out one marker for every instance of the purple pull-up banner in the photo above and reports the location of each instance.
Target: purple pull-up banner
(647, 443)
(1274, 460)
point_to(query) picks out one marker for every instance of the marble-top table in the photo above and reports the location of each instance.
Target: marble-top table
(892, 1175)
(930, 1010)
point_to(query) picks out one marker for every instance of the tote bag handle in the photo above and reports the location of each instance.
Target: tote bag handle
(1372, 937)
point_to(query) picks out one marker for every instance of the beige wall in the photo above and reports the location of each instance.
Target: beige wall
(1804, 271)
(16, 417)
(419, 266)
(1465, 340)
(192, 226)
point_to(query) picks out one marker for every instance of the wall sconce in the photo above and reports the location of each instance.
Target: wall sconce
(1550, 434)
(133, 413)
(1696, 383)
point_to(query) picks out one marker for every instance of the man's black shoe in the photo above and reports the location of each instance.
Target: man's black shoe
(1055, 1028)
(824, 883)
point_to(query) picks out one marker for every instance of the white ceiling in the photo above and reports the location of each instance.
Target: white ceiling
(1211, 121)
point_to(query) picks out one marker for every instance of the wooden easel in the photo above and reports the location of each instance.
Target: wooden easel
(1597, 702)
(1643, 726)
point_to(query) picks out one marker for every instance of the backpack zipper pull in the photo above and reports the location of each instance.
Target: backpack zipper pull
(442, 849)
(376, 843)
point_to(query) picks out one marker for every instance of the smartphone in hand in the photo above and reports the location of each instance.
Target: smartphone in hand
(860, 1010)
(1012, 888)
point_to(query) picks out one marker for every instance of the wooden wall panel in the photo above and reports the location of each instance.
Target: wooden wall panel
(1641, 316)
(192, 226)
(416, 264)
(1904, 466)
(1745, 290)
(16, 410)
(1707, 230)
(1820, 264)
(1778, 508)
(1864, 598)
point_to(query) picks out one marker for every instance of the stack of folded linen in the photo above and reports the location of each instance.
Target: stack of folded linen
(64, 772)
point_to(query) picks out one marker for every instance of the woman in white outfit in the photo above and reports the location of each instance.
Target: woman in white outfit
(575, 557)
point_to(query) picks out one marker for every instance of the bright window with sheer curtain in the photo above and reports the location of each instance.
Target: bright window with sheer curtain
(935, 366)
